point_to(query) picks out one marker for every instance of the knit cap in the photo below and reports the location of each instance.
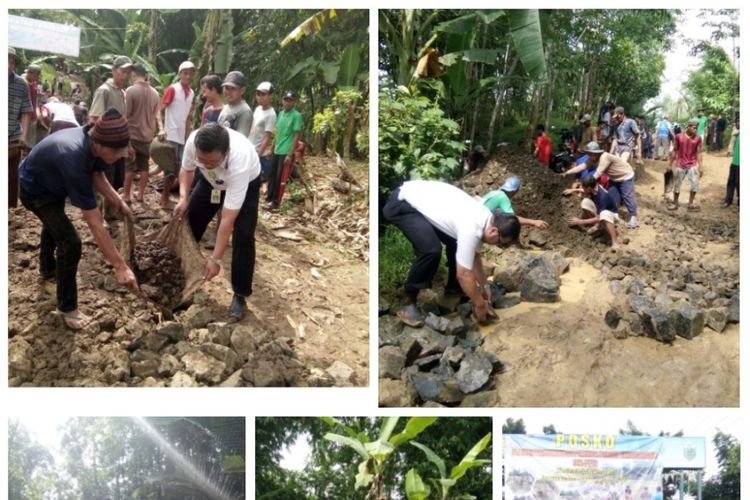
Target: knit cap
(111, 130)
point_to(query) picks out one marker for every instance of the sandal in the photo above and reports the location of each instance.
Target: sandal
(693, 208)
(75, 320)
(673, 207)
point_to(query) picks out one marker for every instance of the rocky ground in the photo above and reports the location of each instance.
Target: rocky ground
(308, 320)
(652, 324)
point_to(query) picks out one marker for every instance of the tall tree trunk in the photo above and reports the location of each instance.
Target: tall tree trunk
(550, 99)
(499, 109)
(534, 116)
(152, 38)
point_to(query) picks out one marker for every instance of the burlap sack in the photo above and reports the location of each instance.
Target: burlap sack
(178, 237)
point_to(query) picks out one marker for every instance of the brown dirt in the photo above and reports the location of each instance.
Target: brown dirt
(158, 272)
(564, 354)
(312, 289)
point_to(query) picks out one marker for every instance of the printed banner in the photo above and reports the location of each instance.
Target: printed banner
(32, 34)
(582, 466)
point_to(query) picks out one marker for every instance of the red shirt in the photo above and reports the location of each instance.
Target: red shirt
(544, 145)
(687, 150)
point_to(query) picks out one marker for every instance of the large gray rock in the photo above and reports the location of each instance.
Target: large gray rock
(396, 393)
(234, 380)
(264, 373)
(342, 374)
(224, 354)
(481, 399)
(172, 329)
(716, 318)
(219, 333)
(457, 326)
(389, 330)
(639, 303)
(242, 340)
(391, 361)
(656, 324)
(437, 323)
(203, 367)
(540, 285)
(146, 368)
(474, 372)
(734, 310)
(20, 363)
(197, 316)
(182, 379)
(452, 357)
(438, 388)
(155, 341)
(687, 320)
(117, 366)
(428, 341)
(168, 365)
(427, 363)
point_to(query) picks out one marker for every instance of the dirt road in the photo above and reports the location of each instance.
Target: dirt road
(308, 312)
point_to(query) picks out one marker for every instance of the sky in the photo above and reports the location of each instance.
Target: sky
(679, 62)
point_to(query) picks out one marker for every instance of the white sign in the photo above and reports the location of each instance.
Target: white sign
(43, 36)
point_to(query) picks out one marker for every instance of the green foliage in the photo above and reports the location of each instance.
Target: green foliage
(336, 123)
(394, 256)
(715, 84)
(415, 487)
(727, 484)
(514, 426)
(417, 141)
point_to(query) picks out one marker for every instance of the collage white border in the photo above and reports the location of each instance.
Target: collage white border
(311, 402)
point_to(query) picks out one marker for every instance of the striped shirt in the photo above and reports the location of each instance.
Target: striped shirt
(19, 102)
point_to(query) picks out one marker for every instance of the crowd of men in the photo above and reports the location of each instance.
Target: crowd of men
(434, 214)
(104, 149)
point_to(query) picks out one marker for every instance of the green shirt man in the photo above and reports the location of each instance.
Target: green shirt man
(702, 120)
(498, 200)
(287, 124)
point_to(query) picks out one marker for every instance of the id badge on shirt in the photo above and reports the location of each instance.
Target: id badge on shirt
(215, 196)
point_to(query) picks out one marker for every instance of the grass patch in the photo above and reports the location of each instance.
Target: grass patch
(395, 255)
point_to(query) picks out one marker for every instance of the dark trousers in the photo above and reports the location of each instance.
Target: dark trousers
(427, 241)
(14, 158)
(719, 140)
(201, 211)
(274, 179)
(61, 238)
(116, 173)
(733, 184)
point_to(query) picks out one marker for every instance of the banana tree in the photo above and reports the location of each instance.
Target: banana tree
(375, 453)
(415, 487)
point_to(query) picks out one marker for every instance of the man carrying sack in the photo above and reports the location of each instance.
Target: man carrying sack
(229, 179)
(71, 164)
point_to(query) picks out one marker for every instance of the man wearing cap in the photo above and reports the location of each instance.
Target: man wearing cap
(237, 114)
(588, 133)
(31, 76)
(663, 138)
(176, 107)
(264, 121)
(288, 129)
(230, 181)
(501, 200)
(621, 183)
(599, 210)
(19, 116)
(214, 100)
(687, 153)
(432, 213)
(143, 114)
(627, 141)
(111, 94)
(71, 164)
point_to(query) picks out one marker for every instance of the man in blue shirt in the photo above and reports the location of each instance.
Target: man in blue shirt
(663, 137)
(71, 164)
(599, 210)
(19, 117)
(627, 141)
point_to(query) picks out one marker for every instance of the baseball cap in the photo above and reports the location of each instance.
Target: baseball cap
(289, 94)
(593, 148)
(511, 184)
(186, 65)
(33, 68)
(586, 118)
(122, 62)
(12, 53)
(234, 79)
(265, 87)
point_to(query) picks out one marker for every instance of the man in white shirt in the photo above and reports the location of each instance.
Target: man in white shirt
(230, 180)
(432, 213)
(264, 121)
